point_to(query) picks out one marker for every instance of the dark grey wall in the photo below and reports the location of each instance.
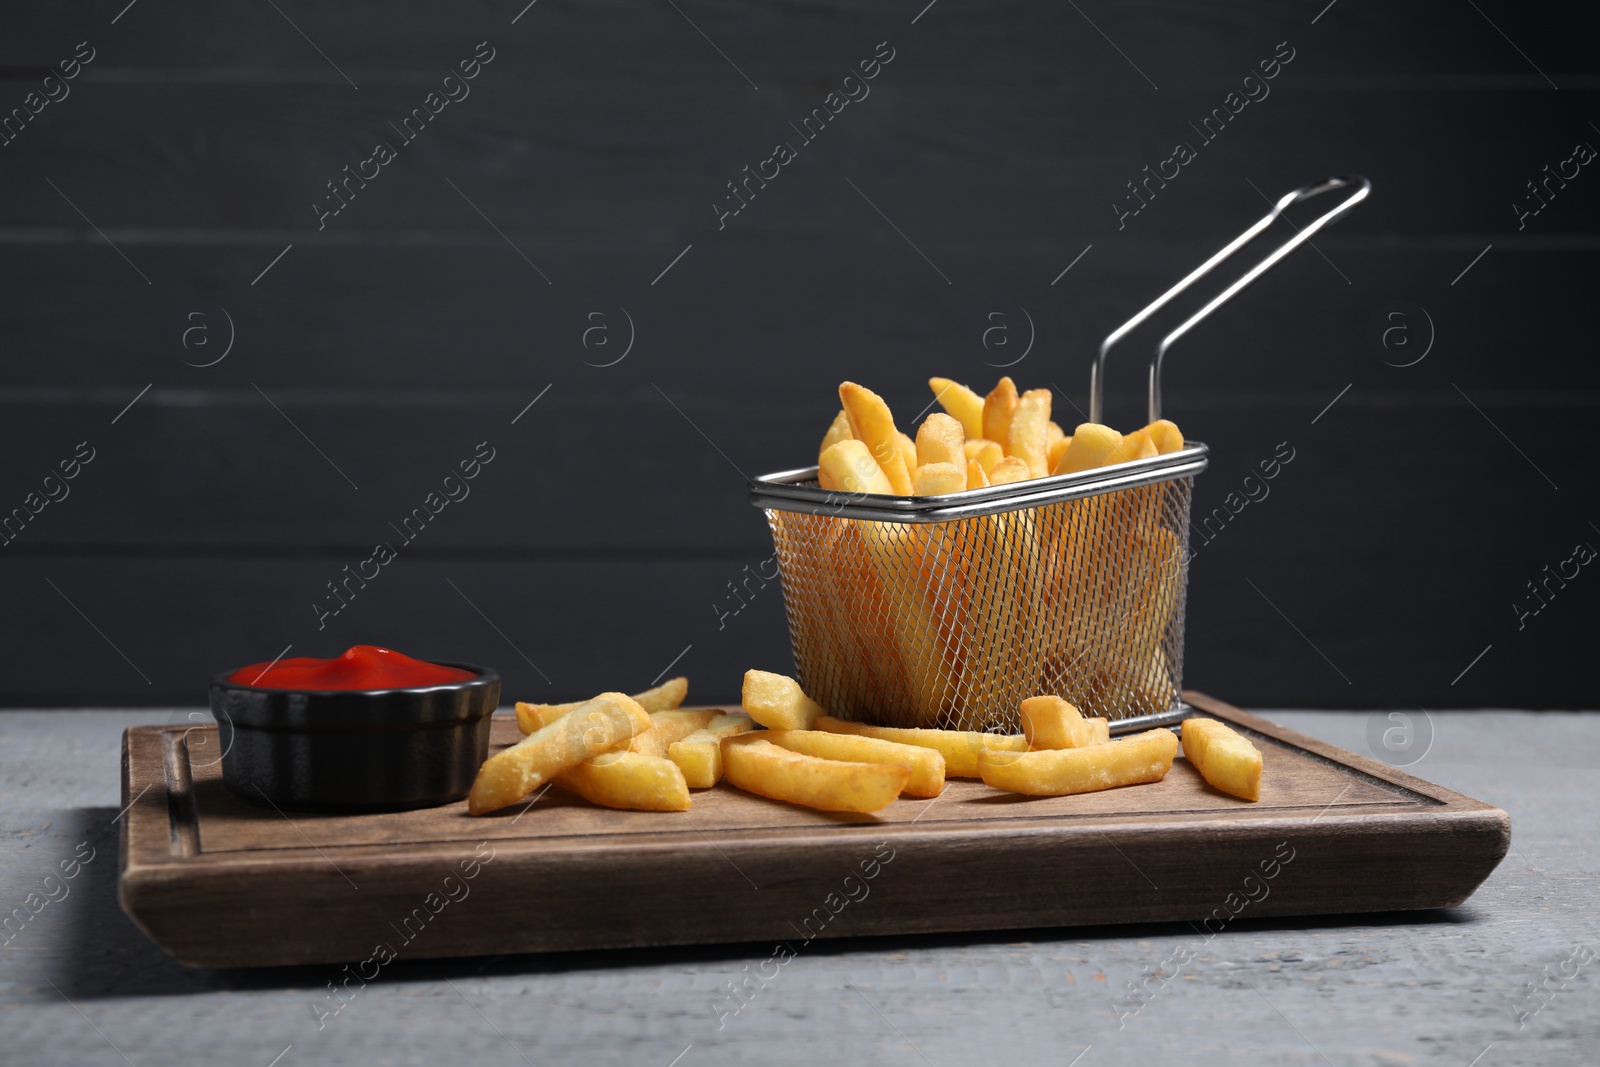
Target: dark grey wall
(598, 544)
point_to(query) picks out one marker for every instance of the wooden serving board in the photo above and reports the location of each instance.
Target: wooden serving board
(220, 883)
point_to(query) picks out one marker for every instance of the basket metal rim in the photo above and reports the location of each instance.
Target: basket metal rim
(785, 491)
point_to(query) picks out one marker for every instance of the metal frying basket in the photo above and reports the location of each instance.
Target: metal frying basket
(948, 611)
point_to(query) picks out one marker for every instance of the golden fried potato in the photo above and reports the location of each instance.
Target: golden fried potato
(1223, 756)
(1144, 757)
(699, 756)
(758, 766)
(1051, 722)
(1053, 433)
(1092, 446)
(838, 430)
(588, 730)
(987, 453)
(1166, 436)
(908, 451)
(937, 479)
(664, 697)
(872, 424)
(1008, 470)
(998, 407)
(976, 479)
(961, 402)
(941, 440)
(960, 748)
(667, 727)
(1028, 437)
(777, 702)
(925, 764)
(631, 780)
(1055, 451)
(531, 717)
(1136, 445)
(850, 468)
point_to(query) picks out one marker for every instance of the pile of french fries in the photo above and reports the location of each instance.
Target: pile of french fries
(935, 614)
(976, 441)
(645, 753)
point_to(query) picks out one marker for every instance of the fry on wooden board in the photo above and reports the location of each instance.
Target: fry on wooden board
(664, 697)
(1144, 757)
(777, 702)
(1224, 757)
(960, 748)
(756, 765)
(588, 730)
(699, 756)
(925, 764)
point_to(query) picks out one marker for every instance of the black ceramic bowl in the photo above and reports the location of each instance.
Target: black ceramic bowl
(355, 749)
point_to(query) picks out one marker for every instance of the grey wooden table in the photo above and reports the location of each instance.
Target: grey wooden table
(1508, 978)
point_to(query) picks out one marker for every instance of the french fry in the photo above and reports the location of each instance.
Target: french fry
(850, 468)
(998, 407)
(667, 727)
(937, 479)
(1092, 446)
(908, 451)
(1144, 757)
(838, 430)
(872, 424)
(1136, 445)
(758, 766)
(1027, 438)
(986, 452)
(1224, 757)
(976, 479)
(1050, 722)
(632, 775)
(777, 702)
(631, 780)
(664, 697)
(911, 621)
(961, 402)
(531, 717)
(856, 599)
(699, 756)
(960, 748)
(1008, 470)
(1166, 436)
(1053, 433)
(1002, 621)
(941, 440)
(586, 731)
(925, 764)
(1055, 450)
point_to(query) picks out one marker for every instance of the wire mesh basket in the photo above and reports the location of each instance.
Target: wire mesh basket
(948, 611)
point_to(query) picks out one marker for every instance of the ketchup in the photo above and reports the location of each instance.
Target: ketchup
(362, 667)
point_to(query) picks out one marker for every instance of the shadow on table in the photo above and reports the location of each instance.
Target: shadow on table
(98, 952)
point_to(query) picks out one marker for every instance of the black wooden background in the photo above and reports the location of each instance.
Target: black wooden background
(161, 209)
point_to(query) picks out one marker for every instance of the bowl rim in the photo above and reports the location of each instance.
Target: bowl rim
(484, 676)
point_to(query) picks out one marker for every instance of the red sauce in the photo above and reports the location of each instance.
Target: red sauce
(362, 667)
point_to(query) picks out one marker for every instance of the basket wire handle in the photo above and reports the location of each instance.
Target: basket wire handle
(1097, 373)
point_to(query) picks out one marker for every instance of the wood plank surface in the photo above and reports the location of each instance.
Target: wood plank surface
(1360, 836)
